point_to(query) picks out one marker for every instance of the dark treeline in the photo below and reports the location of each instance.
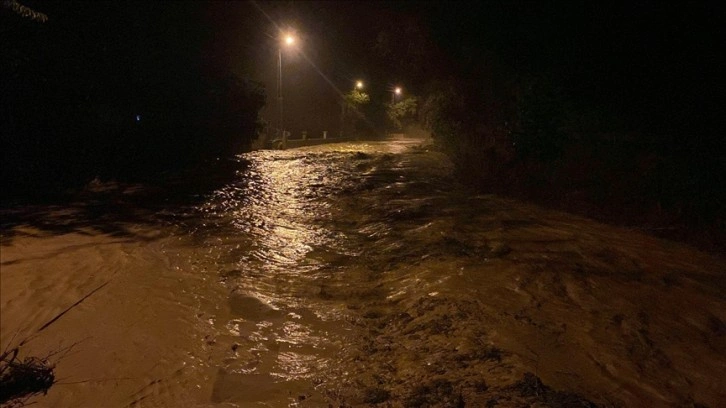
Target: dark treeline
(115, 90)
(611, 109)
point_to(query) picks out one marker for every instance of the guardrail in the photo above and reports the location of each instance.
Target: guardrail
(304, 140)
(292, 143)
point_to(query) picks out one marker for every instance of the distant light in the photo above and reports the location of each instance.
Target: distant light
(398, 91)
(289, 39)
(359, 84)
(138, 118)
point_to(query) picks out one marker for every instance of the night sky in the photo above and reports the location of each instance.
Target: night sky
(334, 50)
(653, 63)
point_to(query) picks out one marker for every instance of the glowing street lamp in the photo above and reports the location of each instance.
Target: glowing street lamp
(288, 41)
(396, 91)
(359, 85)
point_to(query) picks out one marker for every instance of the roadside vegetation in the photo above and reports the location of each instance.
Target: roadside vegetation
(546, 105)
(550, 151)
(103, 91)
(22, 379)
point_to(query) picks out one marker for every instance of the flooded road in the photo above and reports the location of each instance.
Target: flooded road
(361, 274)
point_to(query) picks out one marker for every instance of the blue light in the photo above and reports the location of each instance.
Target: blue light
(138, 118)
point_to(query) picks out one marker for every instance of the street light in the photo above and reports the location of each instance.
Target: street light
(343, 106)
(396, 91)
(289, 40)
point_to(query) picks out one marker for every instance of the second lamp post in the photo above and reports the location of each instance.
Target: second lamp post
(287, 41)
(395, 92)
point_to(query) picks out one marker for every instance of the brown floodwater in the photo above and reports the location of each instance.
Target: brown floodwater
(360, 274)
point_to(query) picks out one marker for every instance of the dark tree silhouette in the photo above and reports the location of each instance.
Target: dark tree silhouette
(116, 91)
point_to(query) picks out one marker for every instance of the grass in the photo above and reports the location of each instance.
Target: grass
(21, 379)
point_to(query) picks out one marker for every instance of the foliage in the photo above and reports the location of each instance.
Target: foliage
(210, 118)
(353, 113)
(24, 11)
(540, 118)
(356, 98)
(403, 112)
(443, 113)
(108, 91)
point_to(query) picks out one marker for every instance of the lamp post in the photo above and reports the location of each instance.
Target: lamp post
(394, 93)
(358, 85)
(288, 41)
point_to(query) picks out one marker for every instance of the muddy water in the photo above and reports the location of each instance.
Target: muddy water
(359, 274)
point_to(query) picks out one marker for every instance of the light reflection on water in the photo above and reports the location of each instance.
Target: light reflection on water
(278, 236)
(338, 264)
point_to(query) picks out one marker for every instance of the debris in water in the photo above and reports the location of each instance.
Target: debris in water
(22, 379)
